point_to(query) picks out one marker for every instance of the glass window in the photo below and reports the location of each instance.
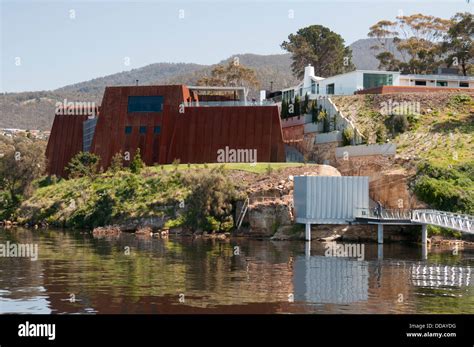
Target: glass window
(372, 80)
(420, 83)
(313, 87)
(157, 129)
(317, 89)
(88, 130)
(128, 130)
(464, 84)
(145, 104)
(142, 130)
(441, 83)
(330, 89)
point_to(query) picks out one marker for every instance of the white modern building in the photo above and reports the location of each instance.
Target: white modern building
(351, 82)
(438, 80)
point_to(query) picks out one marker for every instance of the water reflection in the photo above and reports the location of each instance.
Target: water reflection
(319, 279)
(76, 273)
(436, 276)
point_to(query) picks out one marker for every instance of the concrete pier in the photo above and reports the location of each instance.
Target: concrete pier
(424, 241)
(308, 232)
(380, 233)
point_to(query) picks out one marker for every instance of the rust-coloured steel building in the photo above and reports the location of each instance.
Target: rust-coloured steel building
(166, 123)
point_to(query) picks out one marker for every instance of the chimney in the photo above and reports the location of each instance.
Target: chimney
(308, 71)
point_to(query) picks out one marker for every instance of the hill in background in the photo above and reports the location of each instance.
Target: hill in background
(35, 110)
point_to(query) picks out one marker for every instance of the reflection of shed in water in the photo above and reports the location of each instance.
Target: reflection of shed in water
(440, 276)
(330, 280)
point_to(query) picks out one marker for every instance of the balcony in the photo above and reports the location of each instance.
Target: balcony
(230, 103)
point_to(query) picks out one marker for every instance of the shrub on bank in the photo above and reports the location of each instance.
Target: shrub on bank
(204, 197)
(446, 188)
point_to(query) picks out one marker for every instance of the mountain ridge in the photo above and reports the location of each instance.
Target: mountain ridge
(35, 109)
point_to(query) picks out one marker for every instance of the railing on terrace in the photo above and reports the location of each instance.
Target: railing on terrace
(230, 103)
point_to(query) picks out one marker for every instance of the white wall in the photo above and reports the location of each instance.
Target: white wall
(345, 84)
(453, 81)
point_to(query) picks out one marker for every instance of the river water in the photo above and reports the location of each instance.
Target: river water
(77, 273)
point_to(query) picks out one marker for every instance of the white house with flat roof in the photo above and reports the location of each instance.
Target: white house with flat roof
(438, 80)
(343, 84)
(351, 82)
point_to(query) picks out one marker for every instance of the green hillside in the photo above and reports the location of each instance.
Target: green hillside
(434, 143)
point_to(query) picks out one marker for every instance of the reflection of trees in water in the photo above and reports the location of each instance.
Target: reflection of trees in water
(206, 271)
(150, 279)
(20, 278)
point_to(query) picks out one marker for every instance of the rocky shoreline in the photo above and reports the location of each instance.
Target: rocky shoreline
(320, 233)
(270, 215)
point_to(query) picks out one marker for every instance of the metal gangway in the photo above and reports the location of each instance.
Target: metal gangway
(455, 221)
(450, 220)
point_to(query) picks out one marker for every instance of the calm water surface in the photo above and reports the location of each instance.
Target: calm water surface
(131, 274)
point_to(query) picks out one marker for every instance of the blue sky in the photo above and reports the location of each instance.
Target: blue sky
(49, 44)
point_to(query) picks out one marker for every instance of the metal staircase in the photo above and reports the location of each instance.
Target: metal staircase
(243, 211)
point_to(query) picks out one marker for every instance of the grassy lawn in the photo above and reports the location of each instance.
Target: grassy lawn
(255, 168)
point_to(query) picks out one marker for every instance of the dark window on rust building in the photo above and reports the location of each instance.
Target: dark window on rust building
(145, 104)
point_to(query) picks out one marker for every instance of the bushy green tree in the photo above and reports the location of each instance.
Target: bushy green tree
(324, 117)
(314, 112)
(381, 134)
(297, 106)
(116, 163)
(83, 164)
(418, 39)
(446, 188)
(21, 162)
(320, 47)
(210, 200)
(458, 44)
(305, 108)
(347, 136)
(137, 163)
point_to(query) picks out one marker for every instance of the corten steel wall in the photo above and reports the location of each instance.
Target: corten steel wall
(64, 142)
(110, 137)
(411, 89)
(201, 131)
(295, 133)
(193, 136)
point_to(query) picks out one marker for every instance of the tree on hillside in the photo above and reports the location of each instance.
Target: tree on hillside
(20, 164)
(320, 47)
(233, 74)
(458, 43)
(209, 204)
(137, 163)
(83, 164)
(417, 37)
